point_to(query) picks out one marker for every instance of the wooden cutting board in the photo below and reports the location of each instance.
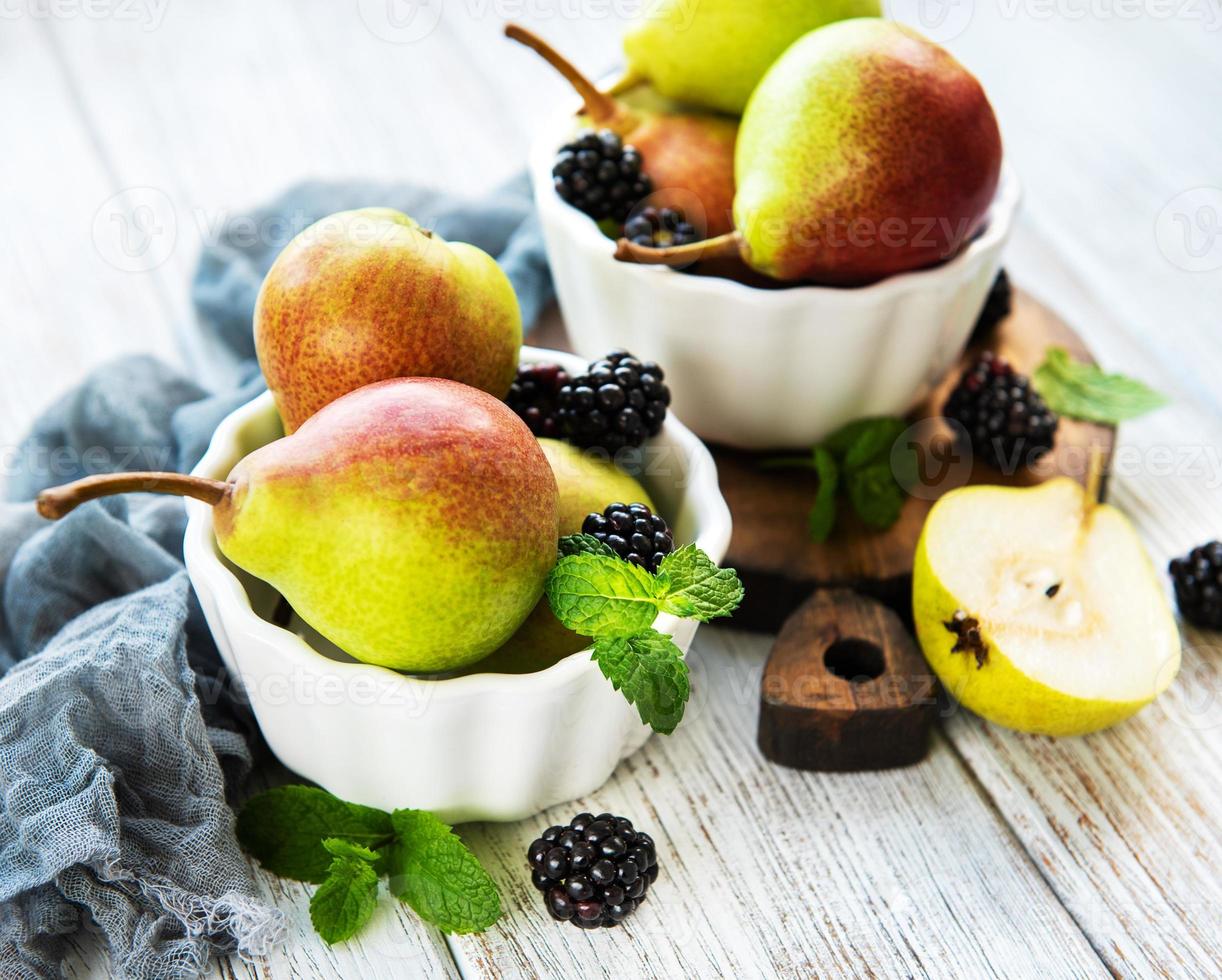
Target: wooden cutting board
(780, 565)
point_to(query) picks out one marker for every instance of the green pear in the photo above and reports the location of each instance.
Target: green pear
(1039, 609)
(362, 296)
(411, 522)
(713, 53)
(586, 484)
(866, 151)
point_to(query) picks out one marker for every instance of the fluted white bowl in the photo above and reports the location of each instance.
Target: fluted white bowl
(475, 747)
(768, 368)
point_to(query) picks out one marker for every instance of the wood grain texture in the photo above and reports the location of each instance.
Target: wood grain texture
(997, 854)
(845, 688)
(771, 872)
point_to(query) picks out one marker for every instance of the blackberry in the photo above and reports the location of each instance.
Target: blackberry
(997, 306)
(633, 532)
(598, 174)
(593, 872)
(660, 228)
(1005, 419)
(533, 397)
(1198, 585)
(620, 401)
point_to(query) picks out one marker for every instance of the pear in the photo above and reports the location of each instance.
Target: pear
(411, 522)
(713, 53)
(1039, 609)
(689, 157)
(362, 296)
(586, 484)
(865, 151)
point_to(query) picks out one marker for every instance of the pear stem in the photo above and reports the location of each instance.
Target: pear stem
(723, 246)
(58, 501)
(600, 107)
(1094, 478)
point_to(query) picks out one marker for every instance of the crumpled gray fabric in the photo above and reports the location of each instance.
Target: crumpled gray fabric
(120, 736)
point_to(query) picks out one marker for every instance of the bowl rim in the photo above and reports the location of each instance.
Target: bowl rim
(712, 517)
(584, 232)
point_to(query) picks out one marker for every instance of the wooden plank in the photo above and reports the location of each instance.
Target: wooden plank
(67, 305)
(772, 872)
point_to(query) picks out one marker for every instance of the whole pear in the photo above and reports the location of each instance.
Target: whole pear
(362, 296)
(411, 522)
(713, 53)
(586, 484)
(865, 151)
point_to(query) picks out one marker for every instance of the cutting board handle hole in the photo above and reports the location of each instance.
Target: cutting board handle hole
(854, 660)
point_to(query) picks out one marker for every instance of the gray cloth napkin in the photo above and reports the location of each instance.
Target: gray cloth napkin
(120, 735)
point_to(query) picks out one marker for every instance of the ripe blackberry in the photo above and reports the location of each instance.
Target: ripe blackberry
(620, 401)
(1006, 421)
(1198, 585)
(997, 306)
(598, 174)
(533, 397)
(660, 228)
(593, 872)
(633, 532)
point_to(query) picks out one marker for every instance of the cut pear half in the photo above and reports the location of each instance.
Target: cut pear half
(1039, 609)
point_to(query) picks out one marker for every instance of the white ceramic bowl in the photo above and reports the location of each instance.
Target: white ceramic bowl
(477, 747)
(768, 369)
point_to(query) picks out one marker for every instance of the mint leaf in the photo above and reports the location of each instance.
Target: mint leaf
(284, 828)
(695, 587)
(340, 848)
(843, 439)
(649, 670)
(433, 871)
(875, 495)
(873, 441)
(823, 513)
(1084, 391)
(346, 899)
(599, 596)
(584, 544)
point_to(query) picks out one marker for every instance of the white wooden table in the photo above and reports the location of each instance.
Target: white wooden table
(1001, 854)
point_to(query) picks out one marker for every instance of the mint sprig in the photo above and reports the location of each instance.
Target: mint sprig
(1084, 391)
(306, 833)
(650, 672)
(584, 544)
(346, 899)
(432, 871)
(601, 596)
(690, 585)
(863, 461)
(596, 595)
